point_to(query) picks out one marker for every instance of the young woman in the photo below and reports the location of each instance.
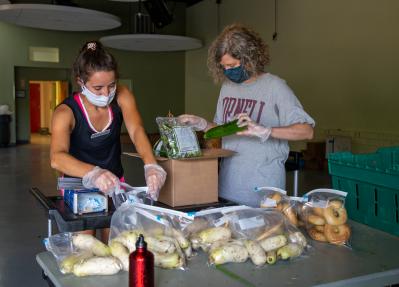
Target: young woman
(261, 101)
(86, 127)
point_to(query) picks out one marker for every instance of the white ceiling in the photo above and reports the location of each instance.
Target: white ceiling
(74, 18)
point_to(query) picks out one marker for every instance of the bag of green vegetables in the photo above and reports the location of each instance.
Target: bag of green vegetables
(177, 140)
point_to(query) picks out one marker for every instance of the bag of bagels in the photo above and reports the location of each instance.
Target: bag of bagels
(277, 198)
(325, 216)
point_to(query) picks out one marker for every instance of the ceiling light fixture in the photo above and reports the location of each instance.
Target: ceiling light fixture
(151, 42)
(57, 17)
(143, 38)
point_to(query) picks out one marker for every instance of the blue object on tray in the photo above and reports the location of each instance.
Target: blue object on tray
(85, 201)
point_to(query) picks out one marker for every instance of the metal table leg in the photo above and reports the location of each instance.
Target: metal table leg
(49, 227)
(296, 172)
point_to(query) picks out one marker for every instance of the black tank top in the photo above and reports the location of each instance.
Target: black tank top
(100, 148)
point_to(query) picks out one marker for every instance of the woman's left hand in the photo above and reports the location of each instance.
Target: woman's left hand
(253, 129)
(155, 177)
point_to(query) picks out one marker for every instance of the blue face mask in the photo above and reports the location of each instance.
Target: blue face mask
(236, 75)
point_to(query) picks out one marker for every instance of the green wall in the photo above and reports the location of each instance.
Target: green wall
(340, 57)
(157, 78)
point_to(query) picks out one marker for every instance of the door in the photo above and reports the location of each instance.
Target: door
(61, 92)
(34, 106)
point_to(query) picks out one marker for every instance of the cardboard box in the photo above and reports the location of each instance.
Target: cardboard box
(337, 144)
(191, 180)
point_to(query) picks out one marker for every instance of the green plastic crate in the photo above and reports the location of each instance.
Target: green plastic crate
(372, 183)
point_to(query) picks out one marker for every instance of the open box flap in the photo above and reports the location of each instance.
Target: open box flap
(206, 153)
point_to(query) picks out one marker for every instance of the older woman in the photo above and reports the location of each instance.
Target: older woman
(261, 101)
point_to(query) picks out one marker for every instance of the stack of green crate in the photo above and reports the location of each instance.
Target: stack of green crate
(372, 183)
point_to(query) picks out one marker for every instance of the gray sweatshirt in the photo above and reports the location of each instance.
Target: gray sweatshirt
(270, 102)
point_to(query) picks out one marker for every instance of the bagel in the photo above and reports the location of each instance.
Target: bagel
(318, 211)
(277, 199)
(276, 196)
(316, 220)
(317, 235)
(301, 223)
(335, 203)
(290, 213)
(335, 213)
(337, 234)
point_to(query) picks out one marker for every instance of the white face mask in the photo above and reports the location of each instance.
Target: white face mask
(98, 100)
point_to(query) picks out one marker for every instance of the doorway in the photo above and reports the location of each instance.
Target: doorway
(38, 91)
(44, 96)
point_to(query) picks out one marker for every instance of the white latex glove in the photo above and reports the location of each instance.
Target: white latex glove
(253, 129)
(102, 179)
(198, 123)
(155, 177)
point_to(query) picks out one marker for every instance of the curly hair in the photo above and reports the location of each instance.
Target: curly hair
(241, 43)
(92, 58)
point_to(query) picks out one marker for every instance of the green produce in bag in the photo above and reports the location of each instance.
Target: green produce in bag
(226, 129)
(159, 149)
(178, 140)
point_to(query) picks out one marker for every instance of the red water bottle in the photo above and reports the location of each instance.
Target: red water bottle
(141, 265)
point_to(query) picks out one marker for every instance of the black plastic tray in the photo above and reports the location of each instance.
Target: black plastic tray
(67, 221)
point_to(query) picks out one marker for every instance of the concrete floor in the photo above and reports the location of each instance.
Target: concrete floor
(23, 220)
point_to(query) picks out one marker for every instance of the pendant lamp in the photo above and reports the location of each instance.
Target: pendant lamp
(144, 40)
(57, 17)
(151, 42)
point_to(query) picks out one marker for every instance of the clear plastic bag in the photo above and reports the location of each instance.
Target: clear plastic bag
(128, 193)
(256, 223)
(325, 216)
(272, 196)
(129, 217)
(277, 198)
(82, 254)
(210, 226)
(60, 245)
(268, 235)
(262, 235)
(179, 141)
(162, 229)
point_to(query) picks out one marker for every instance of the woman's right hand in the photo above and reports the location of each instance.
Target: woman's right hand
(102, 179)
(198, 123)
